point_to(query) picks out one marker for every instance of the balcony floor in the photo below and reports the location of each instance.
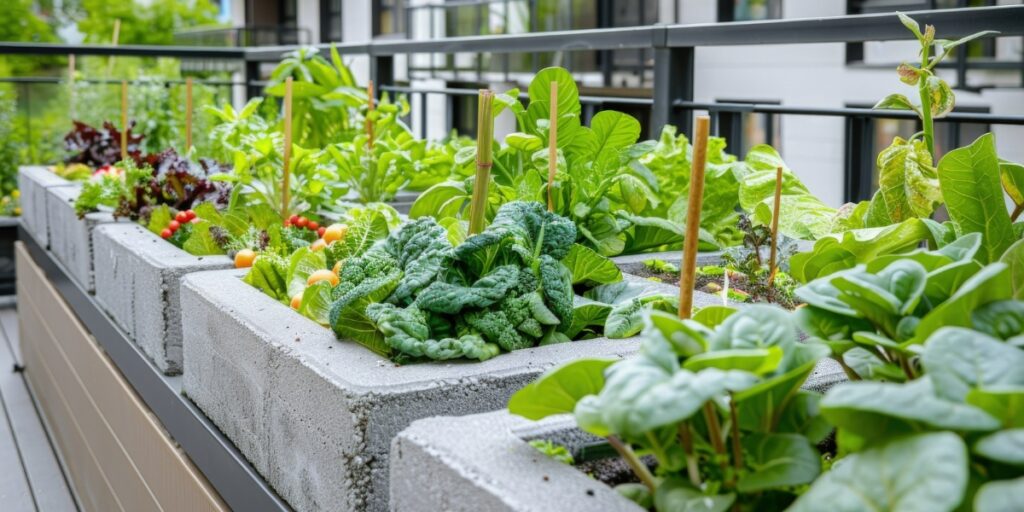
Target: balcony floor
(31, 478)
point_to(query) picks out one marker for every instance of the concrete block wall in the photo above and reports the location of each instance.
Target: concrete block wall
(138, 283)
(33, 180)
(71, 237)
(316, 416)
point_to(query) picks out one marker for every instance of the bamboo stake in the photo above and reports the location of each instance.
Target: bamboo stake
(124, 120)
(484, 147)
(117, 36)
(688, 269)
(552, 145)
(71, 85)
(370, 106)
(775, 225)
(286, 187)
(188, 114)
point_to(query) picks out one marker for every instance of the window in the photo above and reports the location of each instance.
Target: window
(389, 17)
(749, 10)
(330, 21)
(979, 48)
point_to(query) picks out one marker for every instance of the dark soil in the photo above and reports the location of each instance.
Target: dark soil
(613, 470)
(713, 285)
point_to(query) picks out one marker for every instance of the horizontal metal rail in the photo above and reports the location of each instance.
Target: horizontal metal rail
(64, 80)
(128, 50)
(960, 117)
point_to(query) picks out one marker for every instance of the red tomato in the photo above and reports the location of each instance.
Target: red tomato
(174, 225)
(181, 217)
(312, 226)
(320, 232)
(294, 219)
(191, 214)
(302, 222)
(166, 233)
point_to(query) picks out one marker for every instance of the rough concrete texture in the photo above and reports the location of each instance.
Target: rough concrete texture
(138, 283)
(71, 237)
(316, 416)
(483, 462)
(33, 181)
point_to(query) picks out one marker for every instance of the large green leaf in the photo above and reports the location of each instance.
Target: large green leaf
(990, 284)
(316, 302)
(558, 390)
(1006, 404)
(974, 199)
(880, 410)
(201, 242)
(959, 359)
(1000, 496)
(1006, 446)
(568, 94)
(614, 131)
(778, 461)
(676, 495)
(303, 262)
(907, 184)
(1012, 177)
(587, 266)
(841, 251)
(921, 473)
(1014, 258)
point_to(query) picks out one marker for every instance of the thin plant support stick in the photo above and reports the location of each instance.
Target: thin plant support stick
(370, 106)
(634, 462)
(71, 85)
(775, 226)
(124, 120)
(552, 145)
(715, 432)
(117, 35)
(688, 270)
(188, 114)
(484, 147)
(286, 184)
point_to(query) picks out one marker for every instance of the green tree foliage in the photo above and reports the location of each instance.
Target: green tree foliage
(143, 22)
(19, 23)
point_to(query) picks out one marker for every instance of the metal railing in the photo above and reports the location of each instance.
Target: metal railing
(671, 97)
(249, 35)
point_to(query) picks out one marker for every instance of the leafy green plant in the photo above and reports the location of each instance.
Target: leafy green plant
(719, 406)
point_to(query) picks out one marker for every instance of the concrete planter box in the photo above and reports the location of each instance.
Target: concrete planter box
(484, 462)
(316, 416)
(71, 237)
(138, 283)
(33, 180)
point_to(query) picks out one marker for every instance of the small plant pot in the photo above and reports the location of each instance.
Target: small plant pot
(33, 180)
(71, 237)
(138, 283)
(316, 416)
(485, 462)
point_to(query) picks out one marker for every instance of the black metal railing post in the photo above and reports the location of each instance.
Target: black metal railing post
(382, 70)
(673, 80)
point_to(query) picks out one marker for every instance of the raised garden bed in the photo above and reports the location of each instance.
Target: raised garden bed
(315, 416)
(138, 284)
(71, 237)
(33, 180)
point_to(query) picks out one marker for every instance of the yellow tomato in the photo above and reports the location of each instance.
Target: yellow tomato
(244, 258)
(323, 275)
(318, 244)
(296, 301)
(335, 232)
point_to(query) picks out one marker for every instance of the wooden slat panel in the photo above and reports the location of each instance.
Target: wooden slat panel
(146, 469)
(45, 477)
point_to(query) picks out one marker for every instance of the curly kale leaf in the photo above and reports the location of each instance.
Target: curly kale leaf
(363, 281)
(556, 283)
(407, 331)
(526, 229)
(443, 297)
(496, 327)
(269, 273)
(420, 249)
(529, 314)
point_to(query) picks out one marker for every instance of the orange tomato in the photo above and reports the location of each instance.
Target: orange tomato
(335, 232)
(337, 268)
(323, 275)
(317, 244)
(296, 301)
(244, 258)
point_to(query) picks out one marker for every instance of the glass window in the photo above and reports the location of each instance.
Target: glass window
(330, 20)
(749, 10)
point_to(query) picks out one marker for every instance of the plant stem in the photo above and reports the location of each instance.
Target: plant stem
(905, 365)
(737, 450)
(775, 227)
(715, 433)
(286, 185)
(686, 439)
(850, 373)
(1016, 212)
(484, 147)
(634, 462)
(552, 144)
(926, 105)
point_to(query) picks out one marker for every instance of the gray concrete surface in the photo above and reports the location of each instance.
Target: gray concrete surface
(138, 283)
(71, 237)
(316, 416)
(33, 180)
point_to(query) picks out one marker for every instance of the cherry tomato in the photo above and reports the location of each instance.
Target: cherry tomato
(166, 233)
(181, 217)
(335, 232)
(320, 232)
(312, 226)
(174, 225)
(244, 258)
(294, 219)
(191, 214)
(302, 222)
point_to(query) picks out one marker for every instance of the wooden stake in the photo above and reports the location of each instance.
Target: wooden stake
(286, 187)
(484, 147)
(688, 270)
(370, 106)
(552, 144)
(71, 85)
(117, 36)
(188, 114)
(775, 225)
(124, 120)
